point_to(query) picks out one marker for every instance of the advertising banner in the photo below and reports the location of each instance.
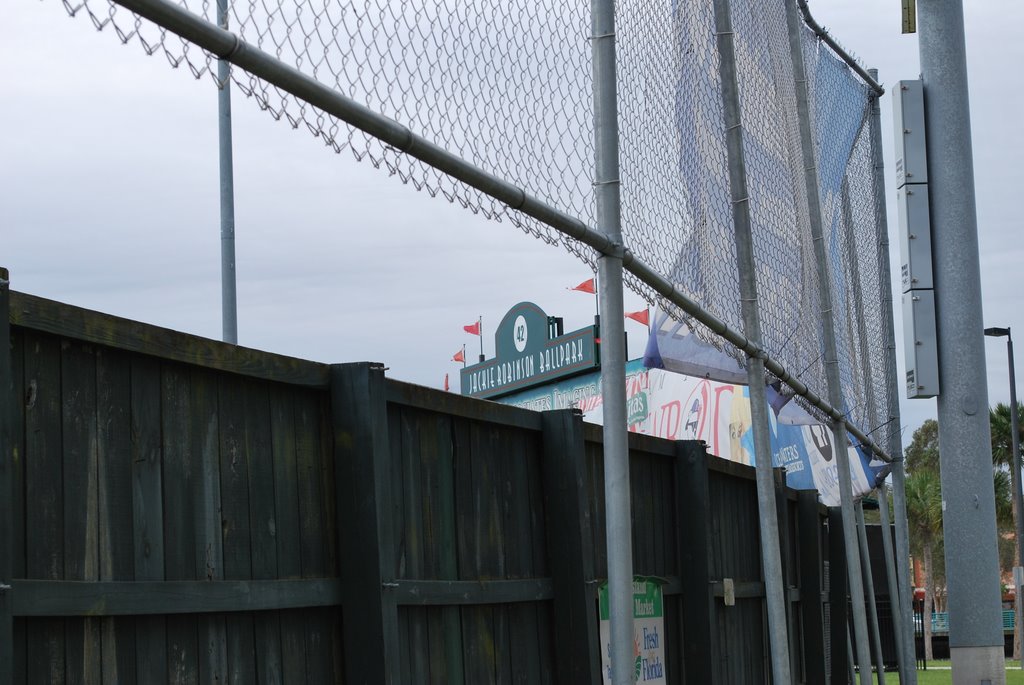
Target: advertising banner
(648, 632)
(675, 406)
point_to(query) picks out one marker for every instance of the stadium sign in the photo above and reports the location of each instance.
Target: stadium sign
(528, 354)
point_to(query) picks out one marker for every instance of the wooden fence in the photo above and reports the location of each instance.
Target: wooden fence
(178, 510)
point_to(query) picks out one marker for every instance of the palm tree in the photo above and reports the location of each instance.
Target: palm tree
(924, 515)
(1001, 426)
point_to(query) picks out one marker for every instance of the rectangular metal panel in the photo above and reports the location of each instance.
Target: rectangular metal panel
(915, 237)
(908, 114)
(920, 344)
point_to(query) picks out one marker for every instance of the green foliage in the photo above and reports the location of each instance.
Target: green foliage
(923, 451)
(924, 507)
(1002, 432)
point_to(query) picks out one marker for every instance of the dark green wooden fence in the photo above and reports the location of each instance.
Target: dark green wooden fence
(178, 510)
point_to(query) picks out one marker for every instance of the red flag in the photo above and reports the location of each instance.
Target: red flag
(474, 329)
(643, 316)
(586, 287)
(446, 382)
(460, 356)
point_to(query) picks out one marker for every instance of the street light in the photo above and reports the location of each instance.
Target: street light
(1018, 571)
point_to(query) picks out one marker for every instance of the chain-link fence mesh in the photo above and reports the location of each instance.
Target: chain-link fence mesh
(508, 87)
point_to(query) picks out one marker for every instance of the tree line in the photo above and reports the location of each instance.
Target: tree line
(924, 510)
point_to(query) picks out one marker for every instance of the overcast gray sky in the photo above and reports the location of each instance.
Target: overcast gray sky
(109, 200)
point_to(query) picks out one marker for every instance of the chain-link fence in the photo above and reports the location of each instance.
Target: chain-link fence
(508, 88)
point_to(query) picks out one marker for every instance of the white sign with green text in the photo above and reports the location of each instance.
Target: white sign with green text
(648, 632)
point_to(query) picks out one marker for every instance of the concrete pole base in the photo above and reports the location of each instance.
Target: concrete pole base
(978, 665)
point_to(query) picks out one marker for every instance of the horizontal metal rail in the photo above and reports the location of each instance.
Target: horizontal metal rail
(824, 35)
(228, 46)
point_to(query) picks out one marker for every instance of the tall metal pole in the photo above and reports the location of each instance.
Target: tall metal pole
(905, 622)
(831, 356)
(771, 562)
(618, 529)
(869, 591)
(968, 516)
(1018, 491)
(1018, 504)
(228, 296)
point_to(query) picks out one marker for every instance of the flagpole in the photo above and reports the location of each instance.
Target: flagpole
(480, 328)
(464, 355)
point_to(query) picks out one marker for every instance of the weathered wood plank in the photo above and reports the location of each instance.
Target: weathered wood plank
(117, 548)
(313, 531)
(788, 560)
(81, 510)
(451, 404)
(443, 499)
(838, 597)
(7, 482)
(45, 503)
(366, 526)
(570, 547)
(522, 651)
(262, 523)
(286, 515)
(410, 456)
(179, 470)
(147, 507)
(102, 329)
(812, 620)
(204, 430)
(234, 487)
(8, 454)
(693, 504)
(468, 592)
(17, 442)
(144, 598)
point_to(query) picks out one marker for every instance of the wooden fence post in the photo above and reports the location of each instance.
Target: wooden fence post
(838, 602)
(787, 555)
(6, 484)
(693, 523)
(809, 522)
(366, 526)
(570, 548)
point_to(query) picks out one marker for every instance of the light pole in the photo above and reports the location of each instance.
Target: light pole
(1018, 502)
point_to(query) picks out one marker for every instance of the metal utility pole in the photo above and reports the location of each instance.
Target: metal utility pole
(1018, 498)
(228, 297)
(903, 619)
(771, 560)
(618, 524)
(968, 499)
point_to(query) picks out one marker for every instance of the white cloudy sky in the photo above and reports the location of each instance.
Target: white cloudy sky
(109, 200)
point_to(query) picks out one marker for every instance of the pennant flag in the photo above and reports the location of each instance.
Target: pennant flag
(643, 316)
(460, 356)
(586, 287)
(446, 382)
(474, 329)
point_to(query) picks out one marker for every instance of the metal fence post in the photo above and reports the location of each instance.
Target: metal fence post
(770, 558)
(828, 328)
(228, 296)
(908, 661)
(618, 528)
(6, 483)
